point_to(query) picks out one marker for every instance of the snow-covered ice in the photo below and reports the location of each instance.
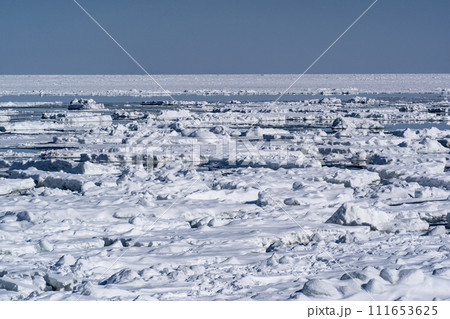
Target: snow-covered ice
(334, 198)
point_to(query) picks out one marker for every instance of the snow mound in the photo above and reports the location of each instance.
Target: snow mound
(411, 276)
(374, 286)
(319, 288)
(390, 275)
(204, 135)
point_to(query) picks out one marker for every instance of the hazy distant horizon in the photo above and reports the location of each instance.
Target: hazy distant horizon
(183, 74)
(205, 84)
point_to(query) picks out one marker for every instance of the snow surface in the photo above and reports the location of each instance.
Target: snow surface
(307, 200)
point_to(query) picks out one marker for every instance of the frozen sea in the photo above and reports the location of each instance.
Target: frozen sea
(339, 190)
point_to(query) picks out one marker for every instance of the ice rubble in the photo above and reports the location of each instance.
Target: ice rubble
(79, 118)
(294, 200)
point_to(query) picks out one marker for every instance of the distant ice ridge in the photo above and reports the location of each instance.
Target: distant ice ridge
(207, 84)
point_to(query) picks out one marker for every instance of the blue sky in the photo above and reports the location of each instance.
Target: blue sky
(227, 36)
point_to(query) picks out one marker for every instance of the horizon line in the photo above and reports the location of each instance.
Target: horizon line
(260, 74)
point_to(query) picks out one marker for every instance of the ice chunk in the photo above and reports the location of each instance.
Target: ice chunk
(24, 216)
(435, 231)
(66, 260)
(16, 285)
(351, 214)
(444, 271)
(291, 202)
(264, 199)
(44, 245)
(123, 276)
(58, 281)
(200, 222)
(85, 104)
(272, 261)
(8, 284)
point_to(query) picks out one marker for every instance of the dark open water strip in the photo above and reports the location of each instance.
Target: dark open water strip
(220, 98)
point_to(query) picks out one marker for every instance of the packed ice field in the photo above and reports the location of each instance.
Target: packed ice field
(111, 191)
